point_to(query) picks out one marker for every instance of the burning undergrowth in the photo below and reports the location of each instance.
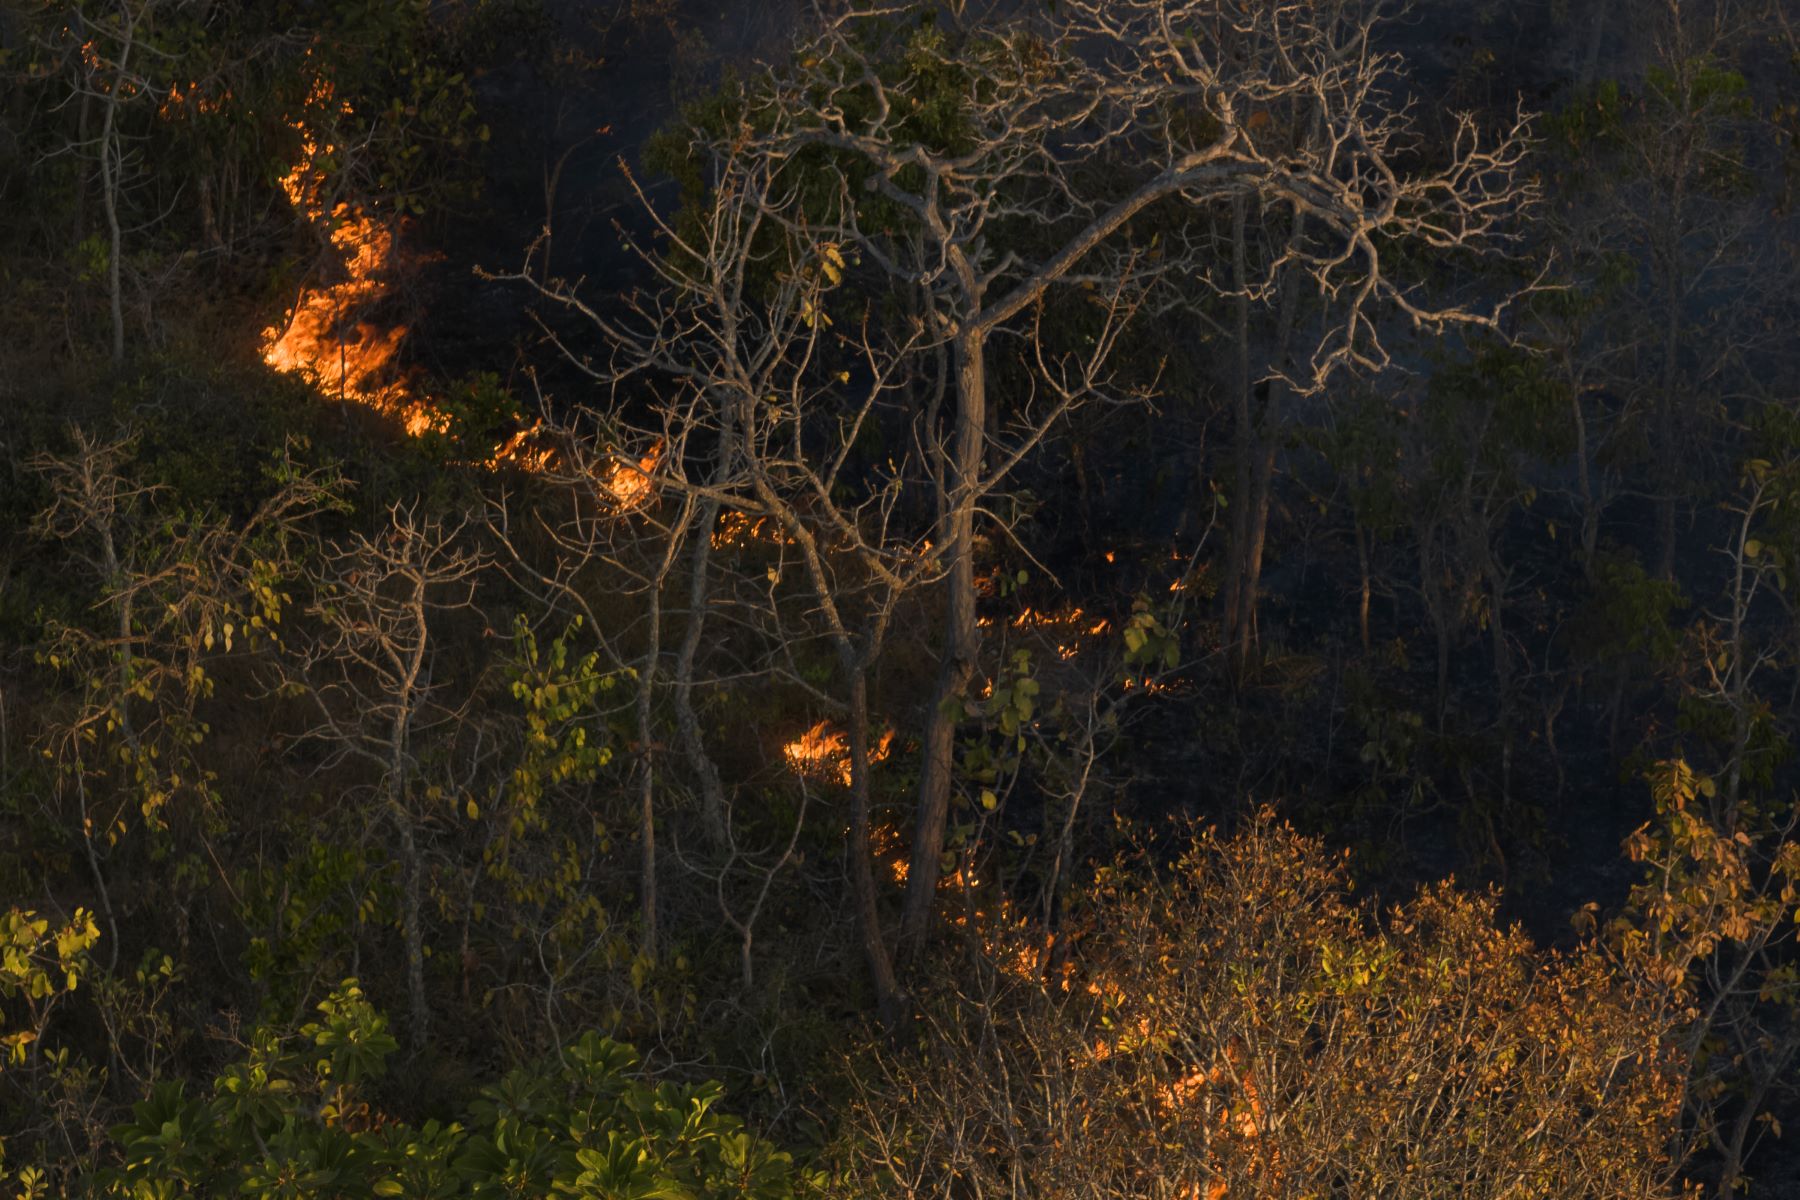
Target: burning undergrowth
(340, 333)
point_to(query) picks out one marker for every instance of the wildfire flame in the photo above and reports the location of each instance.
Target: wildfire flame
(1070, 623)
(1223, 1091)
(885, 845)
(180, 98)
(1152, 687)
(824, 750)
(627, 483)
(525, 449)
(328, 337)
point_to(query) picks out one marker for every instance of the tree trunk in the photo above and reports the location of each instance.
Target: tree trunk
(961, 648)
(1244, 438)
(687, 722)
(646, 736)
(412, 924)
(209, 221)
(888, 998)
(1667, 451)
(109, 196)
(1590, 65)
(1502, 671)
(1590, 513)
(1262, 495)
(1432, 592)
(1362, 569)
(1259, 448)
(1670, 454)
(78, 211)
(647, 807)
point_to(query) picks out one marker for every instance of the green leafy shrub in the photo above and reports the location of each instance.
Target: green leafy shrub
(293, 1118)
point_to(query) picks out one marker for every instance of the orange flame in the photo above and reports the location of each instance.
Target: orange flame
(825, 750)
(326, 338)
(628, 483)
(180, 98)
(1071, 622)
(738, 529)
(884, 843)
(820, 750)
(525, 449)
(1227, 1084)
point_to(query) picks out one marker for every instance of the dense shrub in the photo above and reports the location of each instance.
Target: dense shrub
(292, 1119)
(1238, 1025)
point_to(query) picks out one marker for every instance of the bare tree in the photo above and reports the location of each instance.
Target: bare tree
(1054, 134)
(371, 669)
(765, 403)
(174, 594)
(958, 175)
(603, 537)
(106, 59)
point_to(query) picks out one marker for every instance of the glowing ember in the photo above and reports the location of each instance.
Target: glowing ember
(1070, 625)
(1068, 618)
(1223, 1092)
(885, 844)
(740, 529)
(180, 98)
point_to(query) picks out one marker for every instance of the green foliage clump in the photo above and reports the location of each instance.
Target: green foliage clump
(295, 1118)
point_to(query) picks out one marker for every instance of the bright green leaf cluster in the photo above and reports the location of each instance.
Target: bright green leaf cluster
(288, 1121)
(38, 965)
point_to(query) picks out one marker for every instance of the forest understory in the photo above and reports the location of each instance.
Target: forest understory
(929, 600)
